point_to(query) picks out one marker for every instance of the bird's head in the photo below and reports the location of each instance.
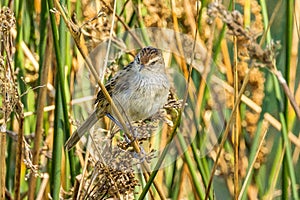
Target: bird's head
(150, 59)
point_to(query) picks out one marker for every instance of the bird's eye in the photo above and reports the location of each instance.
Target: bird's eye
(153, 62)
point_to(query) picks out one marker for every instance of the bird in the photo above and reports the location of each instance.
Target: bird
(139, 91)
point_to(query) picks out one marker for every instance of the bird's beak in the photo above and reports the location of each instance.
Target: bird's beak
(141, 67)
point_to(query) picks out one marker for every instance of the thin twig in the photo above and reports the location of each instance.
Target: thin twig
(288, 92)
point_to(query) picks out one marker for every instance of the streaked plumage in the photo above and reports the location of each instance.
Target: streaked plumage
(139, 91)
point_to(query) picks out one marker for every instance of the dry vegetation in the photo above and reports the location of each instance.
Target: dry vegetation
(230, 129)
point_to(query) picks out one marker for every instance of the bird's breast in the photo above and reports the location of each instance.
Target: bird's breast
(143, 97)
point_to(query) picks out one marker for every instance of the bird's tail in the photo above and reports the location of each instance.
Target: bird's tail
(87, 124)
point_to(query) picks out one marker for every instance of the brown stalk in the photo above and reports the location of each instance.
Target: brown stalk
(2, 163)
(39, 116)
(236, 127)
(19, 148)
(79, 41)
(288, 92)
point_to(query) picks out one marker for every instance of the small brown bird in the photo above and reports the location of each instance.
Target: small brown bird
(139, 91)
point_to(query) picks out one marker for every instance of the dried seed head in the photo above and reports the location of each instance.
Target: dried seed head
(7, 20)
(111, 177)
(9, 92)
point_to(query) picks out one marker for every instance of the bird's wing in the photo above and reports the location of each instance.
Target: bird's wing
(115, 84)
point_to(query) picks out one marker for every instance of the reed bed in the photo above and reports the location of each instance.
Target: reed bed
(230, 129)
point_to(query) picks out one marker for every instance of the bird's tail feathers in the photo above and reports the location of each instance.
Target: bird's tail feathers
(87, 124)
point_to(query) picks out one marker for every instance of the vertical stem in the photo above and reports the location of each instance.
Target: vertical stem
(9, 159)
(285, 179)
(2, 162)
(64, 49)
(19, 148)
(235, 125)
(288, 54)
(57, 144)
(61, 85)
(43, 76)
(19, 64)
